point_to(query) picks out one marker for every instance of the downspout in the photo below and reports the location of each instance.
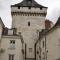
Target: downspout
(0, 42)
(35, 51)
(45, 49)
(25, 51)
(40, 49)
(0, 49)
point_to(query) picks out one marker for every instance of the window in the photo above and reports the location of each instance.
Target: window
(30, 49)
(11, 57)
(40, 8)
(43, 43)
(28, 23)
(18, 7)
(29, 7)
(12, 43)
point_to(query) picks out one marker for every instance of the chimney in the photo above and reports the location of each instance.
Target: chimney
(5, 30)
(47, 24)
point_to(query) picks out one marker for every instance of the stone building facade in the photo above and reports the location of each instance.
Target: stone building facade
(29, 18)
(21, 41)
(10, 44)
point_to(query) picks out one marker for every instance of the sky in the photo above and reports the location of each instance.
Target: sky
(53, 11)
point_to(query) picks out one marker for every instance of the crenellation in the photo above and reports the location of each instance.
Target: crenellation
(28, 14)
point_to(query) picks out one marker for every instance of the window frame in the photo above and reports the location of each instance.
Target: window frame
(12, 44)
(11, 56)
(40, 8)
(18, 7)
(12, 41)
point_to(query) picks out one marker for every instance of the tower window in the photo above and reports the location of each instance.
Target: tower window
(29, 7)
(18, 7)
(40, 8)
(28, 23)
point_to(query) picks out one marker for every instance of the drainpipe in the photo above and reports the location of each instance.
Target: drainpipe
(25, 50)
(0, 49)
(0, 45)
(45, 49)
(35, 51)
(40, 49)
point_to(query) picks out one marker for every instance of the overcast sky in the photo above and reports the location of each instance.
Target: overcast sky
(53, 11)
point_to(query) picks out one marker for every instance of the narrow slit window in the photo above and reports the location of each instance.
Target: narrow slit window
(43, 43)
(28, 23)
(29, 7)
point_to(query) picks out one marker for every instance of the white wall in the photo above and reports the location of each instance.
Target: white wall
(52, 51)
(5, 44)
(1, 31)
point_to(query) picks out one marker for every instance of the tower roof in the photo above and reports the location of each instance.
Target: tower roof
(28, 3)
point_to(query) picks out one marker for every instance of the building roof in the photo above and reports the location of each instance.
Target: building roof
(1, 22)
(58, 22)
(5, 32)
(45, 32)
(28, 3)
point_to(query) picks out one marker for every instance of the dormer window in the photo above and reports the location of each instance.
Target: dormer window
(10, 32)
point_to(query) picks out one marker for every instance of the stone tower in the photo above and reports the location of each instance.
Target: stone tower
(28, 17)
